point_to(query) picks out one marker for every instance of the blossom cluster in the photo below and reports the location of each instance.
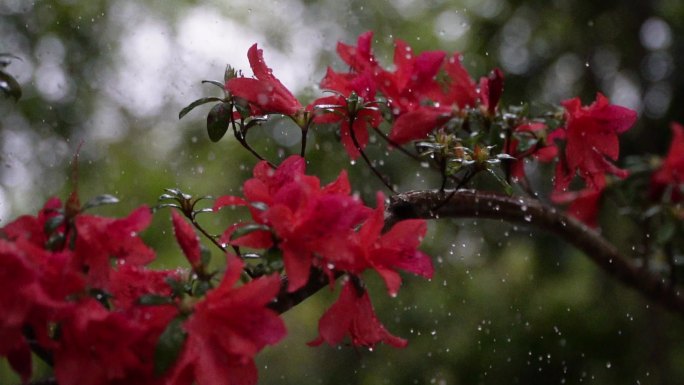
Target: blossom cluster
(76, 288)
(431, 99)
(326, 228)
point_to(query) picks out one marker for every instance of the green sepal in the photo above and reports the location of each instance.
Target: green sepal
(169, 346)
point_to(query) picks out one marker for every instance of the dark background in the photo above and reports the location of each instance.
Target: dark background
(507, 304)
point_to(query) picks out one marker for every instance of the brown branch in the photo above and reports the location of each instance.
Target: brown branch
(465, 204)
(286, 300)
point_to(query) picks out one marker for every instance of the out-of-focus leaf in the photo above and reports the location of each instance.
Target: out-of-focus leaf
(53, 223)
(169, 346)
(214, 82)
(506, 186)
(665, 232)
(196, 103)
(9, 86)
(154, 299)
(100, 200)
(218, 121)
(246, 229)
(205, 255)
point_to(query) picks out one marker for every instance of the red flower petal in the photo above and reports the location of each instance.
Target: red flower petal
(187, 239)
(416, 125)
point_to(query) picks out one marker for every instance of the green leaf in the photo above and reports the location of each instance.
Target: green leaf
(196, 103)
(9, 86)
(244, 230)
(201, 288)
(53, 223)
(179, 288)
(218, 121)
(169, 346)
(154, 299)
(214, 82)
(100, 200)
(205, 255)
(666, 232)
(507, 187)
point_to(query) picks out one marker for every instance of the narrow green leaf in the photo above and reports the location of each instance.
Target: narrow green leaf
(214, 82)
(507, 187)
(154, 299)
(665, 232)
(205, 255)
(196, 103)
(244, 230)
(9, 86)
(218, 121)
(169, 346)
(100, 200)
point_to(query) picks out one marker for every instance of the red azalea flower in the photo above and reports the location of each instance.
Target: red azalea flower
(359, 58)
(99, 239)
(417, 124)
(584, 204)
(265, 92)
(414, 80)
(187, 239)
(671, 172)
(363, 119)
(353, 315)
(396, 249)
(543, 150)
(19, 292)
(592, 140)
(491, 89)
(226, 330)
(316, 234)
(33, 228)
(337, 108)
(311, 224)
(461, 88)
(99, 347)
(129, 282)
(34, 287)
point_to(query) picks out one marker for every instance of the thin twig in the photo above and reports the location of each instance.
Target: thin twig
(397, 145)
(377, 173)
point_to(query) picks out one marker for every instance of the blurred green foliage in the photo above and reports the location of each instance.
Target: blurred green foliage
(507, 305)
